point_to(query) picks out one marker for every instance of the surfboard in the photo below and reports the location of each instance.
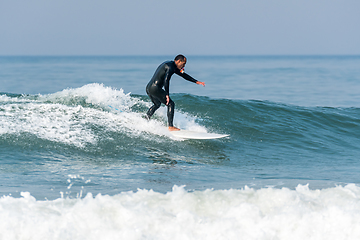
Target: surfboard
(186, 134)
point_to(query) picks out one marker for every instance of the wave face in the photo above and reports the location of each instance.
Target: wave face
(83, 116)
(267, 140)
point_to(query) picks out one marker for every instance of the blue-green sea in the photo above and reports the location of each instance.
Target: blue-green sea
(72, 167)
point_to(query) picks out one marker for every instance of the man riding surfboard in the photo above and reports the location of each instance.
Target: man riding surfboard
(160, 80)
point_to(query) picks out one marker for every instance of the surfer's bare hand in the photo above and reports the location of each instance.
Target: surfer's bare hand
(200, 83)
(167, 100)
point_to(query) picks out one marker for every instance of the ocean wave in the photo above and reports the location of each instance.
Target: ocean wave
(267, 213)
(82, 116)
(86, 116)
(270, 122)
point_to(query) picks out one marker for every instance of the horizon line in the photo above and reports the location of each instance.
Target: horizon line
(192, 55)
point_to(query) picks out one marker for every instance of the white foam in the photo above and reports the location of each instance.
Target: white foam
(53, 122)
(182, 120)
(4, 98)
(332, 213)
(95, 94)
(63, 117)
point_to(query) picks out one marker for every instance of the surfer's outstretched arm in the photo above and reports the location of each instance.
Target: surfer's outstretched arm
(189, 78)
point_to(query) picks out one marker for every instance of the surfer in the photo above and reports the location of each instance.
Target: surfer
(160, 80)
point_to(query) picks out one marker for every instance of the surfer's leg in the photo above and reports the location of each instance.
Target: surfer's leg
(157, 96)
(170, 112)
(154, 107)
(170, 115)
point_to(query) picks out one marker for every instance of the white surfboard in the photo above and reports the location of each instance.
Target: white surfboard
(186, 134)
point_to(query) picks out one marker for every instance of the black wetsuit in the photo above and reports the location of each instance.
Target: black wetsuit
(156, 92)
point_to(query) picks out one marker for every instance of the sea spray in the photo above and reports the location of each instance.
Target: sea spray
(75, 116)
(268, 213)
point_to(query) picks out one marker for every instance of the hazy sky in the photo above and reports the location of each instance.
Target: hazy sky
(191, 27)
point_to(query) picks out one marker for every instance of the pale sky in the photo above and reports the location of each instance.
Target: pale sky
(191, 27)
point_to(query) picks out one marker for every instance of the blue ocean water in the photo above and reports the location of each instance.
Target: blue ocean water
(82, 169)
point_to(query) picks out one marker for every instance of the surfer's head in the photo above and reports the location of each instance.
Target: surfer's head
(180, 61)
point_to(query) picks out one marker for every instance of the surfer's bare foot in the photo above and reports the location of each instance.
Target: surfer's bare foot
(174, 129)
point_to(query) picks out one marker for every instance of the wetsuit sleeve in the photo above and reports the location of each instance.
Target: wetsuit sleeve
(186, 76)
